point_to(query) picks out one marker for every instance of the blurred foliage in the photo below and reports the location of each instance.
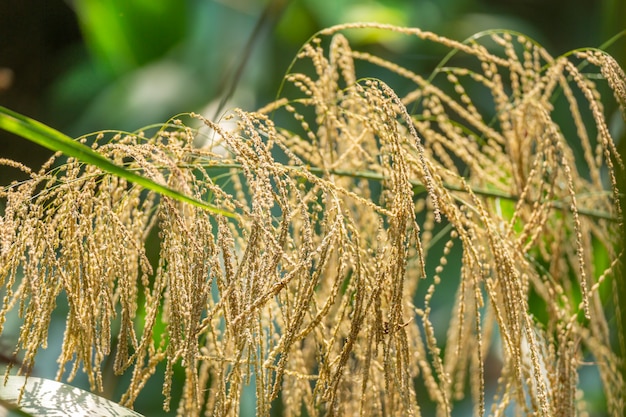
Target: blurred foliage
(144, 61)
(123, 36)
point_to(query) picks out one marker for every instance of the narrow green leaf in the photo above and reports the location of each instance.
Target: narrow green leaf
(53, 139)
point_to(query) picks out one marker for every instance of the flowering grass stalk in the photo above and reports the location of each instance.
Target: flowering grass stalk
(338, 216)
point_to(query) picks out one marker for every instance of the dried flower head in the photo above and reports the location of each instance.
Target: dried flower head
(368, 211)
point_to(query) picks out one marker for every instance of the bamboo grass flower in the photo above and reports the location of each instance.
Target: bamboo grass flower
(349, 222)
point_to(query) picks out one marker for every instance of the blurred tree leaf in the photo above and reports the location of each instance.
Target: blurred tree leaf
(124, 35)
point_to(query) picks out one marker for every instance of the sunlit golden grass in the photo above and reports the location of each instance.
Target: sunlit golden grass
(357, 204)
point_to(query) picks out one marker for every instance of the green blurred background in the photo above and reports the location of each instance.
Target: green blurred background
(86, 65)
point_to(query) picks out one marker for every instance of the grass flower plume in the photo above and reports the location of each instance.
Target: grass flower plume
(364, 212)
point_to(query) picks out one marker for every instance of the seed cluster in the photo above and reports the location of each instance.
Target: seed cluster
(361, 210)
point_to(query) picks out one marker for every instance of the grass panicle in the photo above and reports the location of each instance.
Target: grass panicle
(388, 249)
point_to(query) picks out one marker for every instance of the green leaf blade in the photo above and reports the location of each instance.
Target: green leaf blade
(56, 141)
